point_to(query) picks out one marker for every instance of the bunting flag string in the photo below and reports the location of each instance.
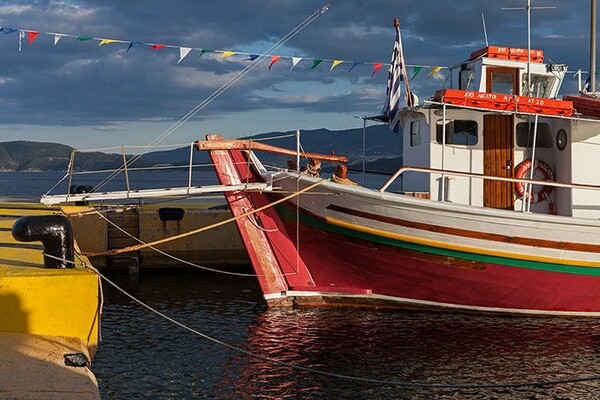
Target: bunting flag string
(32, 35)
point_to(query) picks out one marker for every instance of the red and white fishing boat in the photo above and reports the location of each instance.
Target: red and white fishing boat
(474, 227)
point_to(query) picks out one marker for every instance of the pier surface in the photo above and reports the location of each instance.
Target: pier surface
(45, 314)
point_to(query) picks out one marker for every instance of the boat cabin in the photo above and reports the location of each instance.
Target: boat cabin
(489, 124)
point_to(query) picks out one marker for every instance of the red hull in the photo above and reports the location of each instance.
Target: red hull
(335, 260)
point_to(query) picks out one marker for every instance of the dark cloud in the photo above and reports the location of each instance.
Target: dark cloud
(79, 83)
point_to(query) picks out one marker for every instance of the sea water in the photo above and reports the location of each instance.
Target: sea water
(243, 350)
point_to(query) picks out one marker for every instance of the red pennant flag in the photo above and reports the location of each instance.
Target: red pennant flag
(376, 68)
(158, 46)
(31, 35)
(274, 59)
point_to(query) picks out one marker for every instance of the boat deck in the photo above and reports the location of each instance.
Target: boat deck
(44, 314)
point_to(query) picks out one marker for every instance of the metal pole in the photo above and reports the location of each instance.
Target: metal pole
(529, 187)
(71, 163)
(528, 49)
(443, 186)
(297, 150)
(125, 169)
(190, 171)
(593, 47)
(363, 149)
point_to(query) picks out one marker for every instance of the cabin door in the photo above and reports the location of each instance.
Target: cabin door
(498, 160)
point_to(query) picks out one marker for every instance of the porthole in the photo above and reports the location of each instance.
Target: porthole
(561, 139)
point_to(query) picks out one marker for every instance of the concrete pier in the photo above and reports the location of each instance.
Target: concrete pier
(151, 222)
(45, 314)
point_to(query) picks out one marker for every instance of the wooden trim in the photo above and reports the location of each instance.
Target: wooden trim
(551, 244)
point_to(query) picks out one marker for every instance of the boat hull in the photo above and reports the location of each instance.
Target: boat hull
(348, 269)
(363, 247)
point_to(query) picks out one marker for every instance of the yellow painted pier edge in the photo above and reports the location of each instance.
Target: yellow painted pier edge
(44, 314)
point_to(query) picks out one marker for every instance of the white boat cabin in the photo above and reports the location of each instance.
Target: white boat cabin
(486, 126)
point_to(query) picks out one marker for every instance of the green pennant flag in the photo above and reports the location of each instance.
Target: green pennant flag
(416, 71)
(316, 63)
(204, 51)
(83, 38)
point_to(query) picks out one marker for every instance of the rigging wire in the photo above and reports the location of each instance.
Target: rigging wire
(316, 14)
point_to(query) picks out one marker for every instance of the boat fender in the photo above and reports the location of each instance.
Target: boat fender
(542, 168)
(56, 234)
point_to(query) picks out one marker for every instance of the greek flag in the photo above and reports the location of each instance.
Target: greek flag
(395, 76)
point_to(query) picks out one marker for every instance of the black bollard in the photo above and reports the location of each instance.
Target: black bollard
(55, 233)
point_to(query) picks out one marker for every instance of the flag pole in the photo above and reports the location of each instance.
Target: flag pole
(409, 96)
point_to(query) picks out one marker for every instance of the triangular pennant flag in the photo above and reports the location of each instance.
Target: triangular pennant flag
(434, 71)
(21, 37)
(31, 35)
(83, 38)
(204, 51)
(416, 71)
(316, 63)
(355, 64)
(106, 41)
(334, 64)
(158, 46)
(376, 68)
(228, 54)
(133, 44)
(8, 30)
(57, 37)
(295, 61)
(183, 52)
(252, 57)
(274, 59)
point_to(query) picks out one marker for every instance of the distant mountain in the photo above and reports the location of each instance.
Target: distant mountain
(383, 151)
(383, 148)
(39, 156)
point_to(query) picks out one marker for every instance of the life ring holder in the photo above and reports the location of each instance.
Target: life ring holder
(542, 168)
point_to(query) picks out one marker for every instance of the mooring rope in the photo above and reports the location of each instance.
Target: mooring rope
(206, 228)
(189, 263)
(405, 384)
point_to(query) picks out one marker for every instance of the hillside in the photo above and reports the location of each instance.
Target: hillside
(383, 148)
(383, 152)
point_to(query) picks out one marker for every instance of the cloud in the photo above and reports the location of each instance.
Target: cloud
(82, 84)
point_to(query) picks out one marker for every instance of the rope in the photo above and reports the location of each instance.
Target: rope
(206, 228)
(398, 383)
(191, 264)
(223, 88)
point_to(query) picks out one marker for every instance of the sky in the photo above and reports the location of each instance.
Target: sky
(89, 96)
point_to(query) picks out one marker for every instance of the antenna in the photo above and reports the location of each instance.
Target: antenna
(528, 8)
(484, 29)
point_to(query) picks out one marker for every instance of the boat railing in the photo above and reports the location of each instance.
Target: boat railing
(444, 172)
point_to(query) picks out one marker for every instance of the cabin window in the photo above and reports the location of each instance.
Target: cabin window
(415, 133)
(466, 78)
(540, 86)
(462, 132)
(524, 135)
(502, 80)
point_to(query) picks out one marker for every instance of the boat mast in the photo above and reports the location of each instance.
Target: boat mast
(593, 47)
(528, 8)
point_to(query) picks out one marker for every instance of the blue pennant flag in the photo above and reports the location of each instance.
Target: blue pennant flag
(7, 30)
(133, 44)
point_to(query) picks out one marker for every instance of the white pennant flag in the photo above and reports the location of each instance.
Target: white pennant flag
(57, 37)
(295, 60)
(21, 36)
(183, 51)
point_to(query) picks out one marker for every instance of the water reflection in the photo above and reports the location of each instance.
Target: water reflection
(143, 356)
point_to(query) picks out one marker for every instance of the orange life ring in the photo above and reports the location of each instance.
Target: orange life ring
(544, 169)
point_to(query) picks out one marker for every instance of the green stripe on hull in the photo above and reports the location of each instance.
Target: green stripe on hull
(314, 222)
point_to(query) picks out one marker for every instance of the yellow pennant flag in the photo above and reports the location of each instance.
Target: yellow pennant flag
(335, 63)
(435, 70)
(107, 41)
(228, 54)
